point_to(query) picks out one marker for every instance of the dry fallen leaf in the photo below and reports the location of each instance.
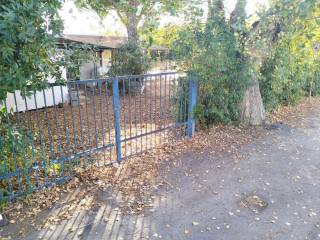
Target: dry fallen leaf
(137, 178)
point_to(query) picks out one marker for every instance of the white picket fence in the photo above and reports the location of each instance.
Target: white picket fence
(38, 100)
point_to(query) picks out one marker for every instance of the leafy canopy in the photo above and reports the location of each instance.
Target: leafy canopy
(164, 36)
(136, 15)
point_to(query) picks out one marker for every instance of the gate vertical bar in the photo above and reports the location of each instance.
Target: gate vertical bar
(192, 104)
(116, 105)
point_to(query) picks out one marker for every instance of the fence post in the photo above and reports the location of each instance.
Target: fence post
(116, 108)
(192, 103)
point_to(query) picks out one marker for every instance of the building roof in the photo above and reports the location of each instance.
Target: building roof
(106, 42)
(102, 42)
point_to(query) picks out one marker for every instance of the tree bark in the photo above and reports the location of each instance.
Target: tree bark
(252, 108)
(215, 7)
(132, 28)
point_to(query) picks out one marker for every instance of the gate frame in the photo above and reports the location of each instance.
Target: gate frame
(193, 92)
(116, 109)
(191, 122)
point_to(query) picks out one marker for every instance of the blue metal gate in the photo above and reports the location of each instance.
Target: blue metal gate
(48, 137)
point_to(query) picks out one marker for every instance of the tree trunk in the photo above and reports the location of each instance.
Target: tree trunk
(252, 109)
(132, 28)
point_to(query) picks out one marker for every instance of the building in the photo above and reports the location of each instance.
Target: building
(105, 45)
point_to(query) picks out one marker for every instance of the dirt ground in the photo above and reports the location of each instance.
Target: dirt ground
(225, 183)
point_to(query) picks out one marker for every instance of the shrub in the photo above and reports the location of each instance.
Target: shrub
(180, 99)
(291, 70)
(28, 32)
(130, 59)
(288, 75)
(16, 152)
(15, 147)
(215, 57)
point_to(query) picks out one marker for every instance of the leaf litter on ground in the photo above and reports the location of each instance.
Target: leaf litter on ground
(134, 182)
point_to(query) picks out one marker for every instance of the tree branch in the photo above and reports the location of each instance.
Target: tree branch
(145, 10)
(122, 18)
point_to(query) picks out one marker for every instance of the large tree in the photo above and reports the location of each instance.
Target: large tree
(227, 55)
(134, 14)
(252, 110)
(261, 39)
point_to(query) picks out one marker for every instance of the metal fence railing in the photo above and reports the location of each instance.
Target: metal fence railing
(46, 138)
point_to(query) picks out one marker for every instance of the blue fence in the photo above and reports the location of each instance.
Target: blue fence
(50, 136)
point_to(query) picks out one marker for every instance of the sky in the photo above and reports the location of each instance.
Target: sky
(88, 22)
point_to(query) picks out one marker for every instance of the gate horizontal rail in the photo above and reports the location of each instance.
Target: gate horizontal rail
(49, 136)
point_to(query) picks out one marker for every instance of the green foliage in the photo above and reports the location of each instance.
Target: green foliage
(74, 55)
(137, 16)
(265, 81)
(282, 80)
(16, 150)
(164, 36)
(29, 58)
(28, 31)
(291, 69)
(214, 55)
(129, 60)
(180, 99)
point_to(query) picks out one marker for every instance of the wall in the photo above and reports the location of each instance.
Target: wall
(106, 58)
(87, 71)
